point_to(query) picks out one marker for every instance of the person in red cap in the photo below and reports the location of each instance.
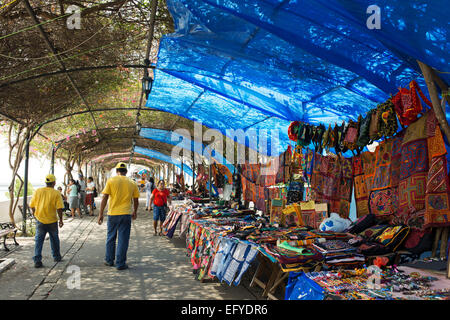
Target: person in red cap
(120, 191)
(47, 207)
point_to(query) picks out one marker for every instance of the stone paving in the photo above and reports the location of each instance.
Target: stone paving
(159, 268)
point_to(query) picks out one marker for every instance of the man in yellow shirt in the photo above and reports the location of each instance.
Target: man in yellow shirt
(45, 204)
(120, 191)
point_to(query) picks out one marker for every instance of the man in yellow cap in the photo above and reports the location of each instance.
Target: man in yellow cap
(120, 191)
(47, 207)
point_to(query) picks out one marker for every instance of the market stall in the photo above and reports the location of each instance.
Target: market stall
(303, 198)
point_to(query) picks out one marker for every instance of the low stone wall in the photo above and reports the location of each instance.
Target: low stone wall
(4, 210)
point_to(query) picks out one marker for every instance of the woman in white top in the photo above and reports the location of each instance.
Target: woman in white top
(90, 195)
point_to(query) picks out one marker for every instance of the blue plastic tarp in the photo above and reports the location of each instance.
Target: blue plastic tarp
(184, 142)
(263, 63)
(163, 157)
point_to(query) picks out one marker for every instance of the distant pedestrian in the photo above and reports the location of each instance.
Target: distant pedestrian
(64, 197)
(149, 187)
(160, 197)
(120, 191)
(82, 194)
(47, 207)
(90, 188)
(72, 191)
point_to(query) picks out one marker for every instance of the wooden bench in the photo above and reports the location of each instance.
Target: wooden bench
(6, 229)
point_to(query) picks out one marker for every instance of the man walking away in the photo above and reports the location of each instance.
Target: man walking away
(119, 190)
(45, 204)
(82, 184)
(149, 187)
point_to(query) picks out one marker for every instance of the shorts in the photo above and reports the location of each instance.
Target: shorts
(159, 213)
(73, 203)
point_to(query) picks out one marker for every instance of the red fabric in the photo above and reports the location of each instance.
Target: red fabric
(160, 197)
(89, 200)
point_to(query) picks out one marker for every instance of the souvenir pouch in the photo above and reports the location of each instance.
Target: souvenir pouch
(295, 192)
(392, 237)
(363, 136)
(276, 211)
(307, 209)
(341, 137)
(351, 134)
(407, 103)
(374, 134)
(362, 224)
(292, 215)
(373, 231)
(321, 213)
(332, 138)
(418, 241)
(293, 131)
(387, 124)
(385, 242)
(326, 138)
(337, 138)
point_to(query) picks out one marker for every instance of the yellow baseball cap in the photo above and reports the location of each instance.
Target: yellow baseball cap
(50, 178)
(121, 165)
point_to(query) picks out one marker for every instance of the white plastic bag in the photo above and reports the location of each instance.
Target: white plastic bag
(334, 223)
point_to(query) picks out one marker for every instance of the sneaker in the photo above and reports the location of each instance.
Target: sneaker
(108, 264)
(38, 264)
(124, 267)
(58, 259)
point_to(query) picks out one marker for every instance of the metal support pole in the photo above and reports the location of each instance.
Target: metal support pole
(25, 187)
(193, 175)
(174, 174)
(210, 185)
(182, 175)
(52, 163)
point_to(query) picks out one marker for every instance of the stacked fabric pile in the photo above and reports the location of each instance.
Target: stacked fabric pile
(338, 253)
(290, 260)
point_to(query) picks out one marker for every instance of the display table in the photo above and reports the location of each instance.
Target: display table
(401, 283)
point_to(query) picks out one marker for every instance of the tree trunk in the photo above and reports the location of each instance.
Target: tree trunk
(16, 152)
(439, 112)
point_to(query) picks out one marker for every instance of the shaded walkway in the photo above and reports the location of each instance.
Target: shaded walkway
(159, 268)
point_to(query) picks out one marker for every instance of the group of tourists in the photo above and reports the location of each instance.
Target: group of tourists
(47, 205)
(79, 196)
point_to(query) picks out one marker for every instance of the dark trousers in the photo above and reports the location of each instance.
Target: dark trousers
(41, 231)
(119, 227)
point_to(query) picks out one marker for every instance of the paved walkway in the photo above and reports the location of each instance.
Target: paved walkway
(159, 268)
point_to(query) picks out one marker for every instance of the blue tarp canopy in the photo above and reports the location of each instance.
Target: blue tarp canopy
(183, 141)
(163, 157)
(264, 63)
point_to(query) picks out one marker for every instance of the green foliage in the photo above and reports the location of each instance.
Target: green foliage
(16, 189)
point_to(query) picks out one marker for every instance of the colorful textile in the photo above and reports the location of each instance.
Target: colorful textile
(332, 182)
(405, 175)
(437, 204)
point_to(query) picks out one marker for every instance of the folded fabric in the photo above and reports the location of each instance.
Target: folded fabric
(299, 250)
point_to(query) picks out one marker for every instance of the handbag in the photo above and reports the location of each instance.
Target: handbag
(374, 134)
(351, 134)
(363, 136)
(407, 103)
(387, 123)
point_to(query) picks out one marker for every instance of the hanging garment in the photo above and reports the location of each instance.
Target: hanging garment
(407, 103)
(332, 182)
